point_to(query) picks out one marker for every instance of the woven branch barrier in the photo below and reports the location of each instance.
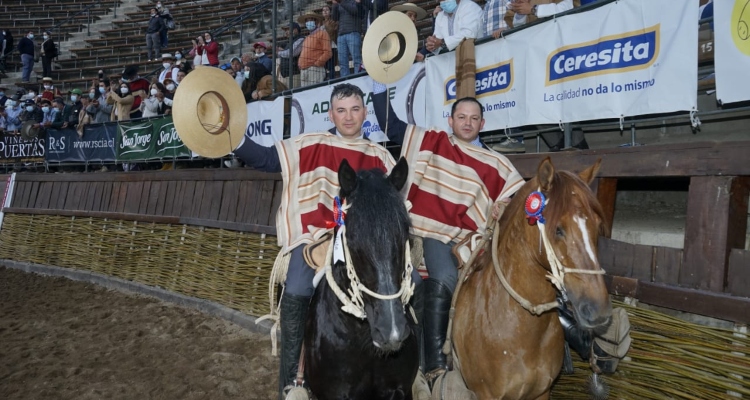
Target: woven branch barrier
(671, 359)
(228, 267)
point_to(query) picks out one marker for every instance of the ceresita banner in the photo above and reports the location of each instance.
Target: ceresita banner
(732, 55)
(625, 58)
(310, 107)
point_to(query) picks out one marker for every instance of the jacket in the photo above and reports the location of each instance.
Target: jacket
(122, 106)
(26, 46)
(155, 25)
(466, 24)
(316, 50)
(48, 49)
(349, 14)
(212, 52)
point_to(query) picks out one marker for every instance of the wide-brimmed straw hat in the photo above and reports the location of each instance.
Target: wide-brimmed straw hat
(421, 13)
(209, 112)
(317, 17)
(395, 38)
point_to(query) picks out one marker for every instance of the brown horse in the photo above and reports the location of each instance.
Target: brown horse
(502, 349)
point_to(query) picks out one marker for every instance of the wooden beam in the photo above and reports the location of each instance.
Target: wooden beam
(210, 174)
(716, 223)
(682, 159)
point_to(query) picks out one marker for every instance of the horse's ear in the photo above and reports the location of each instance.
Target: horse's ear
(545, 174)
(399, 173)
(347, 177)
(589, 173)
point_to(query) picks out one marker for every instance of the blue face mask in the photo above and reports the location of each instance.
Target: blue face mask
(310, 25)
(2, 94)
(449, 6)
(29, 108)
(45, 110)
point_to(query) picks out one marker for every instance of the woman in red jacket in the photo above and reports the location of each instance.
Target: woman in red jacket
(211, 49)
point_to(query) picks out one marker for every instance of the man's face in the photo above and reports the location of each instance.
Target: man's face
(412, 16)
(348, 114)
(58, 106)
(236, 66)
(466, 121)
(180, 76)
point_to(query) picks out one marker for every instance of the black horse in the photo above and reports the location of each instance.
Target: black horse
(348, 357)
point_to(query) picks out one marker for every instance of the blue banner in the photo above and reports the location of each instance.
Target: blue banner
(96, 145)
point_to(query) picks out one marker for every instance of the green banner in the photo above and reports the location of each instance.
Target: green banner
(167, 142)
(136, 141)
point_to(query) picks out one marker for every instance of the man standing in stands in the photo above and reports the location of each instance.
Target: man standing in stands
(316, 50)
(165, 16)
(349, 14)
(6, 47)
(49, 52)
(26, 48)
(153, 35)
(456, 181)
(460, 19)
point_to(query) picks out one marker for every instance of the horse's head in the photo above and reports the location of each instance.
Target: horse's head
(574, 221)
(377, 230)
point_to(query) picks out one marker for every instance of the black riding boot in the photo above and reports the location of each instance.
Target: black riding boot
(437, 304)
(417, 303)
(293, 317)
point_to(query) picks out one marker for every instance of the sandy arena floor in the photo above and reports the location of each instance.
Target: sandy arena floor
(62, 339)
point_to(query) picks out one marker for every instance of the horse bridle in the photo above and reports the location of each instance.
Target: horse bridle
(352, 300)
(558, 270)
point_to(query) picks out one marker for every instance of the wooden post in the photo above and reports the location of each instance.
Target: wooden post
(716, 223)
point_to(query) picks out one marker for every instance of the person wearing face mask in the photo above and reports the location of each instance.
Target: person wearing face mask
(153, 35)
(170, 70)
(180, 61)
(49, 113)
(258, 83)
(50, 91)
(236, 70)
(49, 52)
(26, 48)
(122, 100)
(153, 105)
(75, 101)
(459, 20)
(210, 50)
(13, 113)
(165, 16)
(3, 120)
(316, 51)
(138, 86)
(63, 114)
(99, 106)
(32, 113)
(261, 58)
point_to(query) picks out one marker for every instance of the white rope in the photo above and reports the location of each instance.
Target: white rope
(278, 275)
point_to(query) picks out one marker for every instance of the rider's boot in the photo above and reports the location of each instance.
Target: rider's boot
(437, 303)
(420, 389)
(293, 310)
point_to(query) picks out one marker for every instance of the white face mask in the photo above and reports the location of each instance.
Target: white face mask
(259, 54)
(31, 36)
(92, 95)
(166, 65)
(45, 37)
(73, 98)
(45, 110)
(124, 90)
(310, 25)
(32, 94)
(29, 108)
(48, 87)
(247, 74)
(158, 6)
(170, 87)
(153, 92)
(208, 40)
(178, 56)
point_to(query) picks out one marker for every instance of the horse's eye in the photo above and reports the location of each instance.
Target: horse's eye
(560, 232)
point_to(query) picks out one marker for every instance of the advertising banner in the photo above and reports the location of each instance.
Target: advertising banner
(265, 121)
(15, 149)
(135, 141)
(167, 143)
(310, 107)
(97, 144)
(625, 58)
(732, 55)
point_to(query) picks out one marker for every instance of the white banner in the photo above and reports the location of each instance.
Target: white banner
(625, 58)
(265, 121)
(310, 107)
(732, 55)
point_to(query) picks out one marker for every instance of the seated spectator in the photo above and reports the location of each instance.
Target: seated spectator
(316, 50)
(180, 76)
(3, 98)
(170, 69)
(258, 83)
(84, 117)
(415, 13)
(459, 20)
(524, 12)
(50, 91)
(349, 14)
(137, 86)
(153, 105)
(122, 100)
(75, 100)
(287, 59)
(261, 57)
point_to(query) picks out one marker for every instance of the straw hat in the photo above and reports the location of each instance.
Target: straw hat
(210, 113)
(28, 131)
(421, 13)
(395, 37)
(303, 18)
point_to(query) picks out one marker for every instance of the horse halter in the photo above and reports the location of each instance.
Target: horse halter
(535, 204)
(338, 250)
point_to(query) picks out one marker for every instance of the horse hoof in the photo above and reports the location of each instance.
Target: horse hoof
(451, 386)
(297, 393)
(420, 390)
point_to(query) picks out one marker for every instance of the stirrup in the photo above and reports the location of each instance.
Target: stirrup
(295, 392)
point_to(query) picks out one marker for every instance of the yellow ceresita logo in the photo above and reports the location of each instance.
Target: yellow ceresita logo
(740, 25)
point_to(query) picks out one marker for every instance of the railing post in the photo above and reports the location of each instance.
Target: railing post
(275, 44)
(567, 133)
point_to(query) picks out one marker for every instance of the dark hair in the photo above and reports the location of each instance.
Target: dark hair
(470, 100)
(105, 81)
(345, 90)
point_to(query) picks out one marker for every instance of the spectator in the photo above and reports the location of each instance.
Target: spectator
(349, 14)
(170, 86)
(32, 113)
(200, 58)
(122, 100)
(30, 95)
(332, 27)
(316, 50)
(3, 120)
(493, 14)
(415, 13)
(261, 57)
(13, 113)
(180, 76)
(85, 117)
(247, 58)
(101, 109)
(49, 52)
(165, 16)
(49, 113)
(236, 70)
(26, 48)
(258, 83)
(170, 70)
(153, 105)
(210, 49)
(153, 35)
(180, 61)
(6, 47)
(523, 12)
(63, 114)
(3, 98)
(138, 86)
(77, 103)
(50, 91)
(459, 20)
(288, 58)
